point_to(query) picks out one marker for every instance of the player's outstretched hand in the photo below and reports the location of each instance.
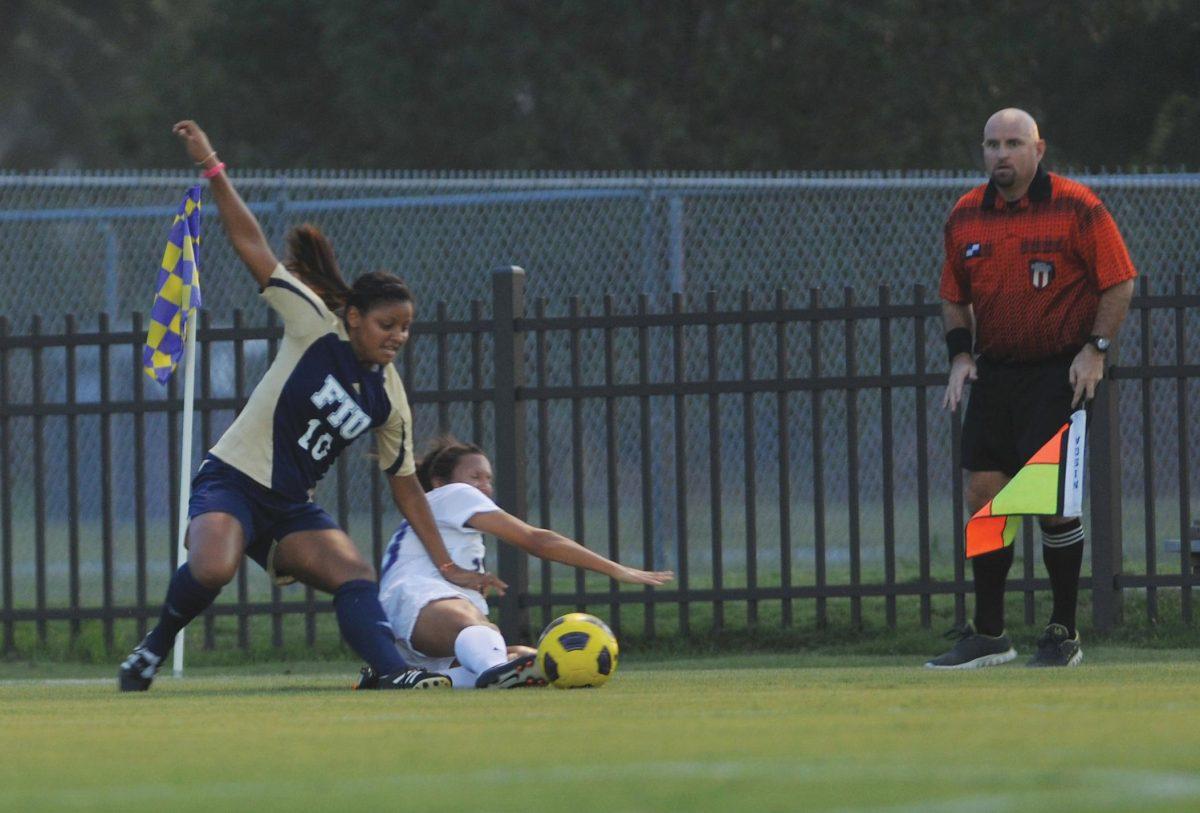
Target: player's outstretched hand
(193, 139)
(473, 580)
(654, 578)
(962, 370)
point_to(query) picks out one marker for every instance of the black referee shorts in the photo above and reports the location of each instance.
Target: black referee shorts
(1013, 410)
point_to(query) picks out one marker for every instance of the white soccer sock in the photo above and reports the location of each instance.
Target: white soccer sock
(479, 648)
(461, 677)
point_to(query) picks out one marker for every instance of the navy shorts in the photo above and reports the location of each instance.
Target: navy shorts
(1013, 410)
(266, 516)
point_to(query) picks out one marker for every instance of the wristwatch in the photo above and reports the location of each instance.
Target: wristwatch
(1101, 343)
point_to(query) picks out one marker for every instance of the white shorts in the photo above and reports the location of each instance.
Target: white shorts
(403, 601)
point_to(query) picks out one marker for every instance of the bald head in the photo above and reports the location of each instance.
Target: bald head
(1012, 150)
(1012, 120)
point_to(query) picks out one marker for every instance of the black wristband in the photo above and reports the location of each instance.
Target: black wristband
(959, 340)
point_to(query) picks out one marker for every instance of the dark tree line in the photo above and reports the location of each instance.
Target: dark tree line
(610, 84)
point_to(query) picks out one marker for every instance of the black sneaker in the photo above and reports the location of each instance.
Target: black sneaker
(1056, 647)
(367, 679)
(521, 671)
(138, 670)
(973, 651)
(404, 679)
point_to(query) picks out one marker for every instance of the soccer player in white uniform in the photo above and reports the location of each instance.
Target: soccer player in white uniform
(331, 381)
(438, 623)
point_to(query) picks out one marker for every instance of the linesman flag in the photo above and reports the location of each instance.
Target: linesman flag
(1050, 484)
(178, 291)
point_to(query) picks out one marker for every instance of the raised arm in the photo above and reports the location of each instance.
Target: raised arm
(410, 499)
(546, 544)
(242, 228)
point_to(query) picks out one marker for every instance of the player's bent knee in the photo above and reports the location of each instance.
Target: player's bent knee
(338, 577)
(362, 570)
(212, 573)
(214, 563)
(215, 544)
(451, 616)
(351, 568)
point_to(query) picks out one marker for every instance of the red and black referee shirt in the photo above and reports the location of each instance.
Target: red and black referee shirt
(1033, 269)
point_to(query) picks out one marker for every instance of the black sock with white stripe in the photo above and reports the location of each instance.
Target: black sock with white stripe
(1062, 551)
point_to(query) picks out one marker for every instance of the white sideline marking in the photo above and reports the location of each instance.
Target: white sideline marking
(58, 681)
(159, 679)
(1098, 788)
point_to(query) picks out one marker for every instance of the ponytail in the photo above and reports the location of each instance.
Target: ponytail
(310, 257)
(442, 458)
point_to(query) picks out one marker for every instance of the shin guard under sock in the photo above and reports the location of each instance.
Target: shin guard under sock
(365, 626)
(186, 599)
(479, 648)
(991, 571)
(1062, 551)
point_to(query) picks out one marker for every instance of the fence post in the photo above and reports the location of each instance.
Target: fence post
(8, 643)
(675, 248)
(508, 305)
(1104, 472)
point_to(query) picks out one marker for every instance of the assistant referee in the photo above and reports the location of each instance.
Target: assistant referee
(1036, 281)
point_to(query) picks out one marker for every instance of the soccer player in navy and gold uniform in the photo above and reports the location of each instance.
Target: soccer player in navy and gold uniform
(1036, 281)
(331, 381)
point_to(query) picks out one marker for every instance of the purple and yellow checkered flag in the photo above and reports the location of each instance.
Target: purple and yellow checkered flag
(178, 291)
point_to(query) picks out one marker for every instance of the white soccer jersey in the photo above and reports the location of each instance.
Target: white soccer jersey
(315, 399)
(453, 506)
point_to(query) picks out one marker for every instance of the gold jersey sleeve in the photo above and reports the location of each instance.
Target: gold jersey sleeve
(393, 438)
(302, 311)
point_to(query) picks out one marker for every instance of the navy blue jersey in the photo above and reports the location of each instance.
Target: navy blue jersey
(314, 400)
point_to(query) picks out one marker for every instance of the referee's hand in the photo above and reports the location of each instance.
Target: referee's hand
(1086, 371)
(962, 370)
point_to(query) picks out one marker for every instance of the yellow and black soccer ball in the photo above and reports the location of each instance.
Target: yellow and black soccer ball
(577, 650)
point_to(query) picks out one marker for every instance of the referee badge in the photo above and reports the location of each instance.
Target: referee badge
(1041, 273)
(973, 250)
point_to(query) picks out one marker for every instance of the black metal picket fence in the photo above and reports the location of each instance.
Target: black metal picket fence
(722, 438)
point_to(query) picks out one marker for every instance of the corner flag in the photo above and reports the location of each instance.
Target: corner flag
(1050, 484)
(172, 336)
(178, 291)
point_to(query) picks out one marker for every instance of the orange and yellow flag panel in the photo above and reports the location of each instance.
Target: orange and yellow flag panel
(1050, 484)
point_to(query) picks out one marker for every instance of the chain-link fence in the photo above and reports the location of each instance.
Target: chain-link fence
(87, 243)
(81, 245)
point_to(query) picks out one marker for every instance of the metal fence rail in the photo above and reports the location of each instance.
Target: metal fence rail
(785, 453)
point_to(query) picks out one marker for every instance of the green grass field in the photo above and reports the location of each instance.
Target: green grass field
(756, 732)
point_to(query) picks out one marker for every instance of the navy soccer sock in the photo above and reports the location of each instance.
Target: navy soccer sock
(186, 599)
(365, 627)
(991, 571)
(1062, 551)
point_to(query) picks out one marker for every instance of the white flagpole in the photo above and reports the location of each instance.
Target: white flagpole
(185, 457)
